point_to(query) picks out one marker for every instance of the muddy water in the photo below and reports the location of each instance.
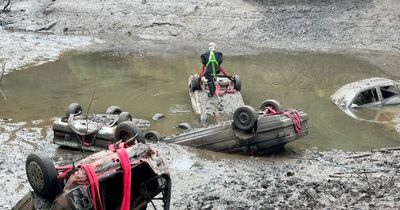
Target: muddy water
(145, 85)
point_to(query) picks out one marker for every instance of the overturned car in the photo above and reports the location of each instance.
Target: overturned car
(227, 94)
(250, 132)
(372, 93)
(94, 132)
(129, 175)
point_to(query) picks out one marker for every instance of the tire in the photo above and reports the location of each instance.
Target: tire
(273, 103)
(195, 83)
(153, 136)
(42, 176)
(124, 116)
(114, 110)
(245, 118)
(127, 130)
(73, 108)
(238, 83)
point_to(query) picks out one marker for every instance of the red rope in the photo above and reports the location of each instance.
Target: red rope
(224, 72)
(94, 181)
(126, 168)
(291, 114)
(94, 185)
(296, 119)
(203, 70)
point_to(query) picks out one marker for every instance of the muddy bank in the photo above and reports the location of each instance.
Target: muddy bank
(302, 24)
(33, 32)
(208, 180)
(17, 140)
(313, 180)
(22, 49)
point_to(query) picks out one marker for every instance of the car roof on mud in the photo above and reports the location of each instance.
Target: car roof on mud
(346, 93)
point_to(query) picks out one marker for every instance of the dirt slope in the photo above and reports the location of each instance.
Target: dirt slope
(300, 24)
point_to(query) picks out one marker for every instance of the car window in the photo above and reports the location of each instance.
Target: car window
(366, 97)
(388, 91)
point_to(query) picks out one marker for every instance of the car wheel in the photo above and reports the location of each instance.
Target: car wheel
(42, 176)
(73, 108)
(126, 130)
(274, 104)
(152, 136)
(195, 83)
(238, 83)
(245, 117)
(124, 116)
(113, 110)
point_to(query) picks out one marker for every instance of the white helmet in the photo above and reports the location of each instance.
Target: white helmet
(212, 46)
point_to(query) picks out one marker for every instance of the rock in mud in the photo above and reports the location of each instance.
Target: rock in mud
(158, 116)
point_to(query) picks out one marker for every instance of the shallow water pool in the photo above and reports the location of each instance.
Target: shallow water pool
(145, 85)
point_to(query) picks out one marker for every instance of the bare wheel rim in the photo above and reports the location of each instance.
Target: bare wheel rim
(35, 175)
(244, 118)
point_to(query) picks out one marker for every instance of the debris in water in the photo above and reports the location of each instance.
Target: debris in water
(158, 116)
(185, 126)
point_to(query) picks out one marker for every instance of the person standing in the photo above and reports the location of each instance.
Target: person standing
(211, 61)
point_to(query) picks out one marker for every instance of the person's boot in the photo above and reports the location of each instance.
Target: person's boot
(211, 88)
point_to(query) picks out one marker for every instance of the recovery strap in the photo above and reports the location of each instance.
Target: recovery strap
(291, 114)
(94, 181)
(94, 185)
(126, 168)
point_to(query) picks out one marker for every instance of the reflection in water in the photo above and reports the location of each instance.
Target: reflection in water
(3, 95)
(385, 115)
(158, 84)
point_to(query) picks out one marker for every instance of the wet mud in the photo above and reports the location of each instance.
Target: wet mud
(300, 24)
(35, 32)
(46, 28)
(208, 180)
(313, 180)
(23, 49)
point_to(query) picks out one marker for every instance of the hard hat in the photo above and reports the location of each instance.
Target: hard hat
(212, 46)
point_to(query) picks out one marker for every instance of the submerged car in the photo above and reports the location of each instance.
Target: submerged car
(94, 132)
(249, 132)
(372, 93)
(129, 174)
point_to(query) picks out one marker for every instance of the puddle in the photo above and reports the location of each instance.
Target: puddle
(145, 85)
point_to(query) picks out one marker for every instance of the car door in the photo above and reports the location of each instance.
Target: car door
(367, 99)
(390, 95)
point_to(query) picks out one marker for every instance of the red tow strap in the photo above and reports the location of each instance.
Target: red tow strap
(296, 119)
(203, 70)
(126, 168)
(94, 186)
(291, 114)
(224, 72)
(94, 180)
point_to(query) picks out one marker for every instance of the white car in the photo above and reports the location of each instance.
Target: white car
(372, 93)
